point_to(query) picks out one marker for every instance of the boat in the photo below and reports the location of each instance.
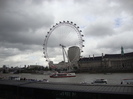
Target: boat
(45, 80)
(62, 75)
(14, 78)
(127, 81)
(99, 81)
(84, 83)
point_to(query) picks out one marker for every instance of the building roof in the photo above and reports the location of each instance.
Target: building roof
(111, 89)
(91, 58)
(106, 56)
(112, 55)
(118, 55)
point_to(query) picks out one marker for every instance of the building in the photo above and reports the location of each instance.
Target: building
(59, 66)
(74, 53)
(119, 62)
(90, 64)
(107, 63)
(74, 56)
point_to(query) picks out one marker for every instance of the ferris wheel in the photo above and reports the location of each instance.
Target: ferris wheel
(59, 39)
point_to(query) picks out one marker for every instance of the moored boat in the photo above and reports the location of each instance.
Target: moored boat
(99, 81)
(61, 75)
(14, 78)
(127, 81)
(45, 80)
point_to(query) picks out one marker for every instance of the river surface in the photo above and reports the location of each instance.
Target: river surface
(114, 78)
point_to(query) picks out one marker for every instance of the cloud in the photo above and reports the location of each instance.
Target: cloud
(21, 25)
(24, 59)
(14, 20)
(126, 6)
(4, 52)
(106, 25)
(99, 30)
(118, 40)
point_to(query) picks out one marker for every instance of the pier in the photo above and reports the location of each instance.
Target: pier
(10, 89)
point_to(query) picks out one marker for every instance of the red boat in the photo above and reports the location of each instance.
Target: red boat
(61, 75)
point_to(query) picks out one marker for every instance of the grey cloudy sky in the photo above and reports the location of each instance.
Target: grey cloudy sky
(106, 24)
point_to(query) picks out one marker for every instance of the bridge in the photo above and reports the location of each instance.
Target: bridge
(10, 89)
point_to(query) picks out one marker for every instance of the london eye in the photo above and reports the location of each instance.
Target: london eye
(59, 39)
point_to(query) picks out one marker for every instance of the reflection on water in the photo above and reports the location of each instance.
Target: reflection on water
(114, 78)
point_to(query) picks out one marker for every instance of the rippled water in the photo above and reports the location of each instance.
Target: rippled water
(114, 78)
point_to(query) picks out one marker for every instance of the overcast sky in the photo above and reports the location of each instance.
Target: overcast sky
(106, 24)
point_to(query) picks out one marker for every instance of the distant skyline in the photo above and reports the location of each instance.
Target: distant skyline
(106, 24)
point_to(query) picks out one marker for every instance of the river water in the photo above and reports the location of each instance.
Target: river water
(114, 78)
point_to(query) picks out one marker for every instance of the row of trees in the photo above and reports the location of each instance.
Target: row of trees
(25, 69)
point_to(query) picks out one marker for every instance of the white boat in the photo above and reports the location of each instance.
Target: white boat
(14, 78)
(127, 81)
(45, 80)
(62, 75)
(99, 81)
(84, 83)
